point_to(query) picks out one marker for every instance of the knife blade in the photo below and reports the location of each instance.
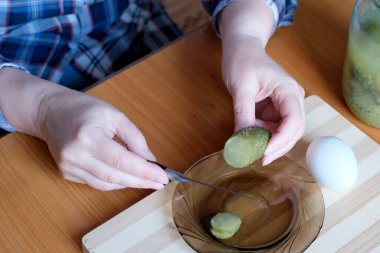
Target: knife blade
(179, 177)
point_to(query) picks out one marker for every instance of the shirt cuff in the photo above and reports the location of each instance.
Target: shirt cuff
(13, 65)
(4, 124)
(274, 9)
(214, 8)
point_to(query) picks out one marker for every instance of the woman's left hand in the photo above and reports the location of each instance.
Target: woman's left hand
(263, 94)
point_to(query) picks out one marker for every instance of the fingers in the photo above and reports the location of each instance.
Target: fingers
(116, 156)
(91, 180)
(102, 176)
(133, 138)
(244, 106)
(290, 107)
(270, 125)
(73, 179)
(111, 175)
(266, 111)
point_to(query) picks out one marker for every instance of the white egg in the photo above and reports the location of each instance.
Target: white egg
(332, 163)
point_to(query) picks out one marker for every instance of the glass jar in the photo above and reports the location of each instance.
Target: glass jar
(361, 76)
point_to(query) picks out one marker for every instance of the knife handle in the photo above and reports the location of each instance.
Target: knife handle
(172, 174)
(159, 164)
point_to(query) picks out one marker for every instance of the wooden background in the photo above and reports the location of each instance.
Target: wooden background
(177, 98)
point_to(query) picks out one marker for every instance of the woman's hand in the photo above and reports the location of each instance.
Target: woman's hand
(79, 131)
(263, 94)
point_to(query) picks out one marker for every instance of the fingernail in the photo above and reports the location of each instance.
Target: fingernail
(157, 186)
(268, 150)
(149, 155)
(265, 161)
(152, 157)
(161, 179)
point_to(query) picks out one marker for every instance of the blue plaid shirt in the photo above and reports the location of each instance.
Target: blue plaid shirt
(96, 37)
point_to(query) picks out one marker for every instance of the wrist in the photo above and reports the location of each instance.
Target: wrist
(243, 42)
(237, 47)
(21, 95)
(56, 110)
(247, 17)
(251, 18)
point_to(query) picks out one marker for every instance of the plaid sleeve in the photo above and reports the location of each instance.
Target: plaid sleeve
(286, 9)
(3, 122)
(214, 8)
(283, 10)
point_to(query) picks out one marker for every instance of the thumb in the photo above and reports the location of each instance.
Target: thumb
(134, 139)
(244, 107)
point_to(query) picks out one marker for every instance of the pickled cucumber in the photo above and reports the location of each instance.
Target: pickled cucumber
(225, 225)
(370, 23)
(361, 76)
(246, 146)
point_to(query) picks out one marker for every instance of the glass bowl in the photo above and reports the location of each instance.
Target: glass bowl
(286, 216)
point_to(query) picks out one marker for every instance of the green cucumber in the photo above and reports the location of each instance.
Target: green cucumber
(225, 225)
(222, 235)
(246, 146)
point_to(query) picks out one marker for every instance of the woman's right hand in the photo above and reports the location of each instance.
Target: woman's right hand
(79, 130)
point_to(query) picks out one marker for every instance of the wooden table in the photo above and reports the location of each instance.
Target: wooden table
(177, 98)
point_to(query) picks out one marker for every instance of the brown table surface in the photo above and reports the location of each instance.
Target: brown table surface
(177, 98)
